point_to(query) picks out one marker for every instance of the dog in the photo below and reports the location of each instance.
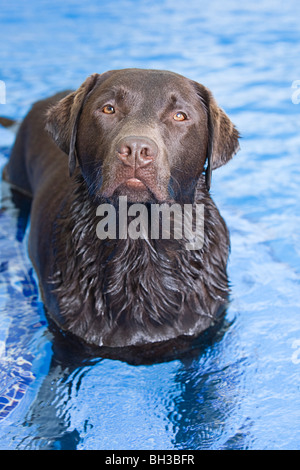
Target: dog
(146, 137)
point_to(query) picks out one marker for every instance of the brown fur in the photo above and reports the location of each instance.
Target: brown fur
(125, 293)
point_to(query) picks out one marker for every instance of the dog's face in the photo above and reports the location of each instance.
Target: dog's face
(144, 134)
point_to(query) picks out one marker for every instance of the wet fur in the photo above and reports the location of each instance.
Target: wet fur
(118, 294)
(134, 290)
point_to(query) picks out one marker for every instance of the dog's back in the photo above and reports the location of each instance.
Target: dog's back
(32, 143)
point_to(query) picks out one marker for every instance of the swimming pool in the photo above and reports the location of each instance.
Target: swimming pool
(242, 391)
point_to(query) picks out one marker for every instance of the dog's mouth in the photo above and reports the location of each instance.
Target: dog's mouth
(136, 190)
(136, 184)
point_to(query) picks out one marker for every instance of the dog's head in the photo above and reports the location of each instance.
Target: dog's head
(144, 134)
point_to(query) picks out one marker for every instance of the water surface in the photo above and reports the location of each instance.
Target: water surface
(242, 391)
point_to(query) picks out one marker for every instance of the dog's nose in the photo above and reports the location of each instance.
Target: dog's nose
(137, 152)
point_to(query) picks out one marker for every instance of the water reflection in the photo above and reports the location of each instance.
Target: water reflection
(94, 403)
(207, 404)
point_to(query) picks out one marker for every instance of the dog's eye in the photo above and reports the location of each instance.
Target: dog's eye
(108, 109)
(180, 116)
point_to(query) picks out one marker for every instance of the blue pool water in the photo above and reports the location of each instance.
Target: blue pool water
(243, 390)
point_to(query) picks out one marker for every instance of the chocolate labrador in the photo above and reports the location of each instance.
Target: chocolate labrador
(143, 137)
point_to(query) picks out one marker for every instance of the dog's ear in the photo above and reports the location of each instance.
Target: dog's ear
(62, 119)
(223, 137)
